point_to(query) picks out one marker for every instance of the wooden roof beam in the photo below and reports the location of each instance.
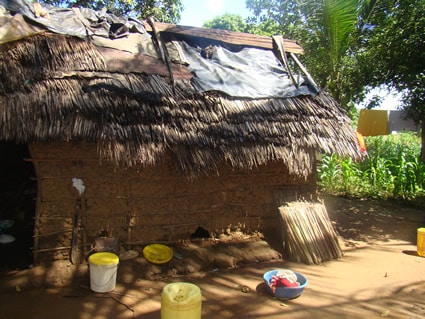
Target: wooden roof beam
(237, 38)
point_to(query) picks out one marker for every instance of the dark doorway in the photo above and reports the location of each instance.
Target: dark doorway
(18, 189)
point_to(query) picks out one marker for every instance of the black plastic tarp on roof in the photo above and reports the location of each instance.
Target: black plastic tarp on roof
(249, 72)
(80, 22)
(246, 72)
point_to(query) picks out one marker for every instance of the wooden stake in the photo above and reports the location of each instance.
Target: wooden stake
(37, 210)
(83, 223)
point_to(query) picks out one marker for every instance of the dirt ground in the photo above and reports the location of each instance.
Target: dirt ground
(380, 275)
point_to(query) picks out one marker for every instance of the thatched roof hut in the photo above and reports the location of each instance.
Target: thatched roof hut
(142, 94)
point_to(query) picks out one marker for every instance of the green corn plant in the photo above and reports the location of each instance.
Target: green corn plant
(350, 175)
(404, 172)
(328, 172)
(391, 169)
(378, 175)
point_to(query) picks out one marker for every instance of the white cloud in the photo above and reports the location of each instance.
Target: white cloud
(390, 99)
(214, 6)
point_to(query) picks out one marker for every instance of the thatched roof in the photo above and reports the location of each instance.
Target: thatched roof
(57, 87)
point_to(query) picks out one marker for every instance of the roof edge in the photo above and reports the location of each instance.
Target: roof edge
(231, 37)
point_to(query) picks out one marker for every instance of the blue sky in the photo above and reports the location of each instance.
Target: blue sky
(196, 12)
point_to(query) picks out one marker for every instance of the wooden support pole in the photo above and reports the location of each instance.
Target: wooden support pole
(302, 67)
(278, 40)
(163, 52)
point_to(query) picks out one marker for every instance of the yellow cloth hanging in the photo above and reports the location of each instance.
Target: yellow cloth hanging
(373, 122)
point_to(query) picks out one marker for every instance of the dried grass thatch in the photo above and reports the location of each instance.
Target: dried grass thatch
(55, 87)
(308, 233)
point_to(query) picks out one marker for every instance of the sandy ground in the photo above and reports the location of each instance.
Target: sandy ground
(380, 275)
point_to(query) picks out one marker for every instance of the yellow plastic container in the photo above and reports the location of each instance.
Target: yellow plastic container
(158, 253)
(103, 271)
(181, 300)
(421, 242)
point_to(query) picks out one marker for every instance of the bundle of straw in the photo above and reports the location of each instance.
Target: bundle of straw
(308, 233)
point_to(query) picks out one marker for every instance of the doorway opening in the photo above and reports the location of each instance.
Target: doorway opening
(18, 191)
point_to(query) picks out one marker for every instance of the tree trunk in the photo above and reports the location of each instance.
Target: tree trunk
(423, 141)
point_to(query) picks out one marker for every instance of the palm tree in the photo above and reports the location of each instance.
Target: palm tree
(330, 25)
(324, 28)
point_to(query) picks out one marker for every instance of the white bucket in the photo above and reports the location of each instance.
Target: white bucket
(103, 271)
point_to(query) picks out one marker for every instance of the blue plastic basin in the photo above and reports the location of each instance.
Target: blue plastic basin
(286, 292)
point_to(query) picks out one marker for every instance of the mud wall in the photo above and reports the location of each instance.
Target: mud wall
(145, 204)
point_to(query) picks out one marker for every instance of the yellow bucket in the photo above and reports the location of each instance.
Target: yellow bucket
(421, 242)
(103, 271)
(181, 300)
